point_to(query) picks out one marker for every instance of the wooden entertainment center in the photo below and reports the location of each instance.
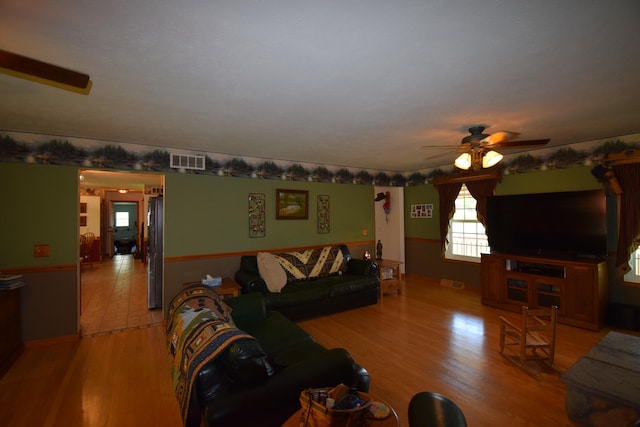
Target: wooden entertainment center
(577, 287)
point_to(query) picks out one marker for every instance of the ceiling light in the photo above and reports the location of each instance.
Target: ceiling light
(123, 191)
(492, 158)
(463, 161)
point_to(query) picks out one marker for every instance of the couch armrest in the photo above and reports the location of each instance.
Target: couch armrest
(250, 282)
(362, 267)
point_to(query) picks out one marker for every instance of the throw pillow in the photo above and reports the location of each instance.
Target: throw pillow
(271, 271)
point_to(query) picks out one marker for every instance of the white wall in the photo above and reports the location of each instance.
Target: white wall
(93, 215)
(390, 227)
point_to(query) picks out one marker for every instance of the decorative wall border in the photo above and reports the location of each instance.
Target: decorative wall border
(87, 153)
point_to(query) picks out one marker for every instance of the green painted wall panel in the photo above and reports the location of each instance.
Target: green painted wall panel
(424, 228)
(40, 206)
(550, 181)
(209, 214)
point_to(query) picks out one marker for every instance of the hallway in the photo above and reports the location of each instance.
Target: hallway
(114, 297)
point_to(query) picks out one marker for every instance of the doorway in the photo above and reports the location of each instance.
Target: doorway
(114, 288)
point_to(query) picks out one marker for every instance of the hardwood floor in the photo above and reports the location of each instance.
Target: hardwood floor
(119, 379)
(114, 297)
(428, 339)
(440, 339)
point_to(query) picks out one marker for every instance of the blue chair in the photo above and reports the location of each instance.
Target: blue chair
(429, 409)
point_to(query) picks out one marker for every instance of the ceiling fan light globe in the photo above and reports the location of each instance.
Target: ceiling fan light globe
(492, 158)
(463, 161)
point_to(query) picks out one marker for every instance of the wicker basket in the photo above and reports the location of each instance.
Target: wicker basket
(316, 414)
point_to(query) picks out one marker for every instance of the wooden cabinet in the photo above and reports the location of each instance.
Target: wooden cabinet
(577, 287)
(390, 276)
(10, 328)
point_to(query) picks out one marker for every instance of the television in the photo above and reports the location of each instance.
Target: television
(553, 225)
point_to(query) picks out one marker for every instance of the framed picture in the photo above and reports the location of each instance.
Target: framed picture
(422, 211)
(292, 204)
(83, 207)
(83, 220)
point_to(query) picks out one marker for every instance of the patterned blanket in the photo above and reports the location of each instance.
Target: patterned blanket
(312, 263)
(199, 329)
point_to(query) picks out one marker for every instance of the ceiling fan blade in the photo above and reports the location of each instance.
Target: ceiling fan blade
(437, 156)
(518, 144)
(498, 137)
(42, 70)
(440, 147)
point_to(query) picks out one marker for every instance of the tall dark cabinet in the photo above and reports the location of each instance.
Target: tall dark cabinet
(11, 344)
(577, 287)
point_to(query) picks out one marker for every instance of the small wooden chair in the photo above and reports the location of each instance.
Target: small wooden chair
(535, 339)
(86, 241)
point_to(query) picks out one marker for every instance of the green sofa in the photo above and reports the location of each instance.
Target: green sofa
(254, 376)
(312, 291)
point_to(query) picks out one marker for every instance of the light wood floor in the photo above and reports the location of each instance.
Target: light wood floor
(430, 338)
(114, 297)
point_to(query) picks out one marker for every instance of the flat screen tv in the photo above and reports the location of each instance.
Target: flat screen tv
(565, 224)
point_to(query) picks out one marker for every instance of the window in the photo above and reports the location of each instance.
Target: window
(634, 262)
(467, 237)
(122, 219)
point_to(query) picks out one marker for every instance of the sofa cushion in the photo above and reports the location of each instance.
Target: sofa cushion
(298, 293)
(283, 340)
(349, 284)
(271, 271)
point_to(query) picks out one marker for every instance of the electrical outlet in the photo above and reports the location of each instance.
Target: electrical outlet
(41, 250)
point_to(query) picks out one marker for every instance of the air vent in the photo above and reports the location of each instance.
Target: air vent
(454, 284)
(187, 161)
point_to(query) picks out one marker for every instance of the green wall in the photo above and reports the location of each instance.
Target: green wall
(573, 179)
(424, 228)
(209, 214)
(39, 206)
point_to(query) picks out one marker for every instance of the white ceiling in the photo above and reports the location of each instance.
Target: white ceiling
(362, 84)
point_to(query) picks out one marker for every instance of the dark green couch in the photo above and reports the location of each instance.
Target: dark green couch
(258, 382)
(357, 285)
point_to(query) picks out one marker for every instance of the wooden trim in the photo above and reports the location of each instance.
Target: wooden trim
(40, 269)
(255, 251)
(624, 157)
(466, 177)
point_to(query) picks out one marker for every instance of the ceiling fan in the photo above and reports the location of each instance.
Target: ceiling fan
(478, 150)
(42, 72)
